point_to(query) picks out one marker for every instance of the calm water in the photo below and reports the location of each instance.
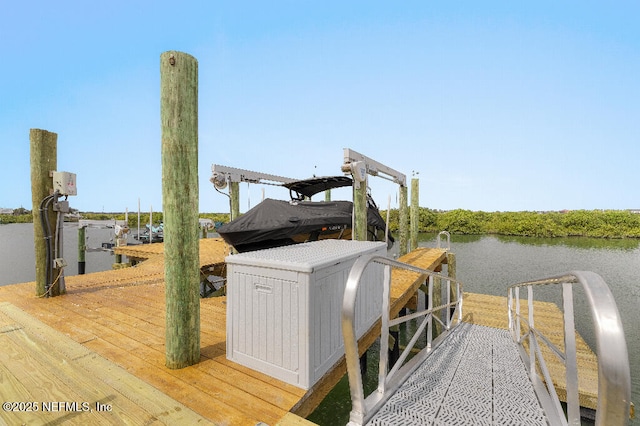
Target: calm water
(488, 264)
(17, 256)
(485, 264)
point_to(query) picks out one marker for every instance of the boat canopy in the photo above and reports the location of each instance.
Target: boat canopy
(312, 186)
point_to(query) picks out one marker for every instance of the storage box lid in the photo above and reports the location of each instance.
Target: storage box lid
(307, 257)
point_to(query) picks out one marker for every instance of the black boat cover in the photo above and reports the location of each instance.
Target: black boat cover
(274, 223)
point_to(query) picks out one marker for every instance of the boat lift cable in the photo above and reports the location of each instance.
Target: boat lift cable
(225, 194)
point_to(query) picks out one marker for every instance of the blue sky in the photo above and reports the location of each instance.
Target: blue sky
(497, 105)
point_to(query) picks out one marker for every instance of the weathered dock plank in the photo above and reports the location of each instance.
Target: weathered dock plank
(212, 251)
(405, 283)
(120, 315)
(291, 419)
(62, 381)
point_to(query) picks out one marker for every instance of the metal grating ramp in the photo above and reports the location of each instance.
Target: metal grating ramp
(476, 377)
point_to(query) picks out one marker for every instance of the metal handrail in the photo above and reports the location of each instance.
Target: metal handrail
(614, 382)
(448, 235)
(388, 382)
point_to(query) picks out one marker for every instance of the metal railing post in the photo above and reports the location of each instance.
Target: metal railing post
(384, 332)
(614, 381)
(361, 406)
(573, 404)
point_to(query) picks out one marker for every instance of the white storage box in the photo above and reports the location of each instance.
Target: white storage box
(284, 306)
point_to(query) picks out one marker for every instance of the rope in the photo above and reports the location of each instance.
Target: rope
(46, 293)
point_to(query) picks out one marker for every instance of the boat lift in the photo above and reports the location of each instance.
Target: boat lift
(360, 166)
(221, 176)
(356, 164)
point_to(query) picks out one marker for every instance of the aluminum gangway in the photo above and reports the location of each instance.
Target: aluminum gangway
(473, 374)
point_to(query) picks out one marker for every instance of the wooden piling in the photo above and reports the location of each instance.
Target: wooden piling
(234, 194)
(360, 210)
(82, 249)
(179, 122)
(451, 265)
(404, 221)
(415, 213)
(44, 158)
(327, 195)
(437, 301)
(359, 231)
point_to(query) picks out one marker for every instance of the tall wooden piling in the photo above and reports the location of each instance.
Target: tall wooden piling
(404, 221)
(44, 159)
(360, 211)
(179, 122)
(327, 195)
(359, 229)
(415, 213)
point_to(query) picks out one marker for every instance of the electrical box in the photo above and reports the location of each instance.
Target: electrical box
(284, 306)
(61, 206)
(65, 183)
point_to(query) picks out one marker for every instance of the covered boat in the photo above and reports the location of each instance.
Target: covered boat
(274, 223)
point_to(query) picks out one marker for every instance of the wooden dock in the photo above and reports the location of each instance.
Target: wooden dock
(102, 345)
(106, 334)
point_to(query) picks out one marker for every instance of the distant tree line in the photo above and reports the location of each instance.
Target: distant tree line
(584, 223)
(19, 215)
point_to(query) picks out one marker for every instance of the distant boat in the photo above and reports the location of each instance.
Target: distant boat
(156, 233)
(274, 223)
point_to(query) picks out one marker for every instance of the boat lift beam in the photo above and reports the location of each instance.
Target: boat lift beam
(360, 166)
(220, 175)
(372, 167)
(223, 175)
